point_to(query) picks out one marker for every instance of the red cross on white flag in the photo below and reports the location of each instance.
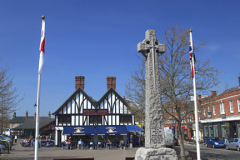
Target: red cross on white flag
(42, 48)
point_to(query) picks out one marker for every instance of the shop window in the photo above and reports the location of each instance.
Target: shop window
(214, 110)
(222, 109)
(231, 106)
(225, 129)
(206, 131)
(210, 129)
(64, 119)
(95, 119)
(125, 118)
(215, 131)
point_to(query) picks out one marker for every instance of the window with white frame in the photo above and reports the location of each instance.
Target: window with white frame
(208, 108)
(231, 106)
(204, 112)
(222, 109)
(214, 110)
(238, 103)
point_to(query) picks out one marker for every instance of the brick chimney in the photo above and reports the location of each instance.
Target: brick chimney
(239, 79)
(79, 82)
(214, 93)
(49, 115)
(14, 115)
(26, 114)
(199, 96)
(111, 82)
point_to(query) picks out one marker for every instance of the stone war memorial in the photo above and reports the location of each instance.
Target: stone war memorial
(155, 148)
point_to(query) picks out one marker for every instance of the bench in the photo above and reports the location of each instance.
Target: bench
(193, 155)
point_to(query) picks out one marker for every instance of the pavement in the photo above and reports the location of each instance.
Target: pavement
(49, 153)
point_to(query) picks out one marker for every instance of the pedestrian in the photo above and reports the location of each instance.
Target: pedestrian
(121, 144)
(15, 138)
(235, 135)
(226, 138)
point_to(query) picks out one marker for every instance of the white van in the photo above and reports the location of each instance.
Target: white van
(168, 136)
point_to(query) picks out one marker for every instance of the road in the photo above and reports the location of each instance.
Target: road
(216, 153)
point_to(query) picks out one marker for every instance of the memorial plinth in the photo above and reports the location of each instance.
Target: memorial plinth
(155, 148)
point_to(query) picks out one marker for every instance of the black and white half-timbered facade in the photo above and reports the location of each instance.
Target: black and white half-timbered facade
(81, 117)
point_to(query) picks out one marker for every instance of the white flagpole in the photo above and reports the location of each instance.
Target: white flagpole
(41, 61)
(37, 117)
(195, 103)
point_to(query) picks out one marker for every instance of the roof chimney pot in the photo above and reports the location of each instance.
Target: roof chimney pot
(111, 82)
(79, 82)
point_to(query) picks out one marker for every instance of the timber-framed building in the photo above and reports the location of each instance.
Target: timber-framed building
(81, 117)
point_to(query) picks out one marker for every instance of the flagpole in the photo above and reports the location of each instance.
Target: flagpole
(37, 117)
(40, 70)
(195, 103)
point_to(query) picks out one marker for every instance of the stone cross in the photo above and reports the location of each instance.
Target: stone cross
(154, 123)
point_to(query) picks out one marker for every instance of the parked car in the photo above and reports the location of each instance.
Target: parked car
(233, 144)
(2, 147)
(214, 142)
(9, 141)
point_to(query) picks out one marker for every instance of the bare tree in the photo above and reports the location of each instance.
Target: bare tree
(175, 78)
(8, 97)
(135, 91)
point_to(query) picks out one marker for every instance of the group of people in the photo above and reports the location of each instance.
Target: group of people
(26, 142)
(30, 142)
(98, 145)
(226, 137)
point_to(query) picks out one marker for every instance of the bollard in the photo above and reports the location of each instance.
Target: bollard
(8, 148)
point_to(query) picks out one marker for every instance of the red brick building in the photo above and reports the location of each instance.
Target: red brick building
(220, 114)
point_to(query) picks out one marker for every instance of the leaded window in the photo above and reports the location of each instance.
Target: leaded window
(95, 119)
(125, 118)
(64, 119)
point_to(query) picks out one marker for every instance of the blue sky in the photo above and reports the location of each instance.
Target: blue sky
(97, 39)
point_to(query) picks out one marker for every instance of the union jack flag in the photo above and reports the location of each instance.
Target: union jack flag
(191, 54)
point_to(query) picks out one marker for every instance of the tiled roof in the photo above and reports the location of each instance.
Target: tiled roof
(30, 123)
(230, 90)
(19, 119)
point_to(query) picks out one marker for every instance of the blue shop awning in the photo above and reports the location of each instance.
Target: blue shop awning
(134, 128)
(111, 130)
(84, 130)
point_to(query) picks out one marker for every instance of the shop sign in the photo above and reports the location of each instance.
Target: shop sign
(53, 128)
(95, 111)
(47, 143)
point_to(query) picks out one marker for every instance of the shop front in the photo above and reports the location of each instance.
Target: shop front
(112, 133)
(134, 135)
(86, 133)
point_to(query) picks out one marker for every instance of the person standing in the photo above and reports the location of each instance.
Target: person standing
(226, 138)
(15, 138)
(121, 144)
(235, 135)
